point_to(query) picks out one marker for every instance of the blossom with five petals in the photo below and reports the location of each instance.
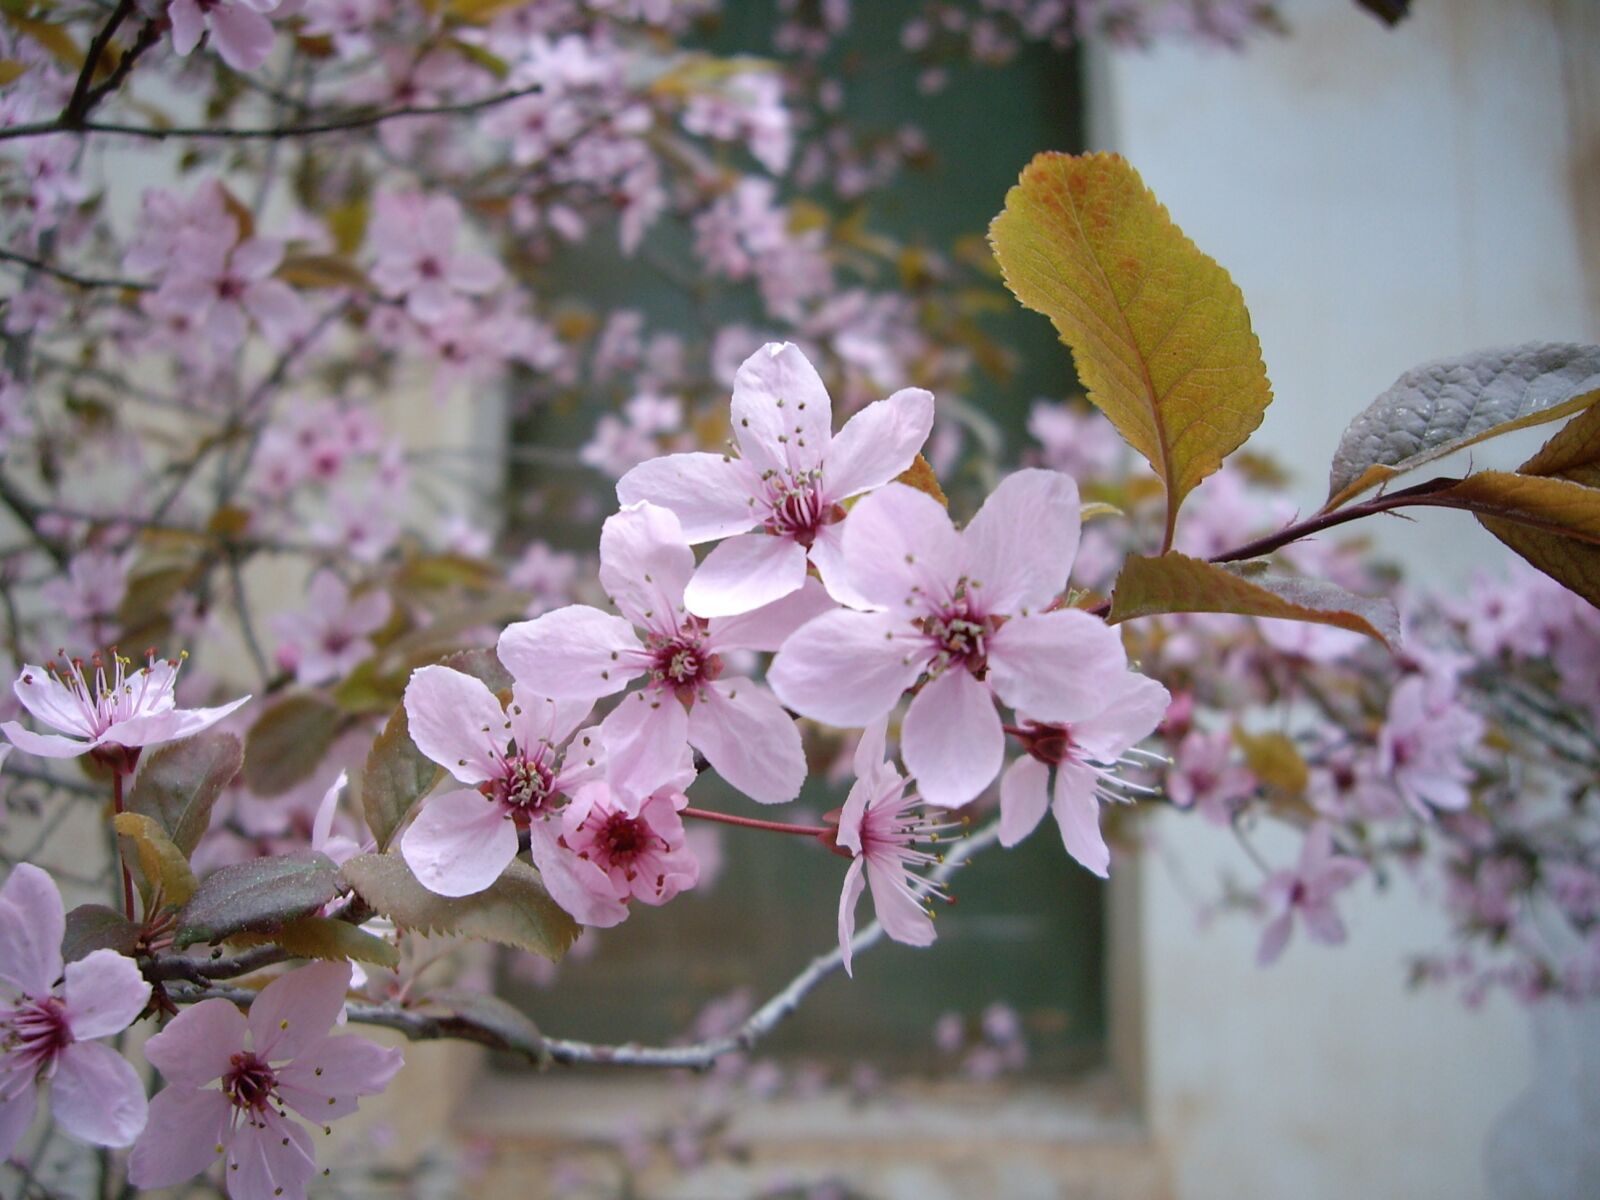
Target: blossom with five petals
(623, 856)
(581, 653)
(1307, 891)
(790, 479)
(1083, 753)
(51, 1014)
(100, 708)
(971, 611)
(283, 1057)
(517, 773)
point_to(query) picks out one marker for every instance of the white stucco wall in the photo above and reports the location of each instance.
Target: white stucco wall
(1382, 198)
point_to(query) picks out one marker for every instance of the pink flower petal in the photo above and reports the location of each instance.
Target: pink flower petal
(1056, 665)
(871, 750)
(899, 912)
(322, 823)
(272, 1160)
(104, 992)
(1137, 706)
(645, 739)
(188, 25)
(1273, 939)
(322, 1083)
(878, 443)
(540, 721)
(242, 37)
(1024, 798)
(457, 721)
(573, 653)
(196, 1045)
(767, 627)
(1077, 810)
(52, 702)
(459, 843)
(900, 547)
(256, 258)
(1323, 924)
(44, 745)
(854, 883)
(295, 1011)
(782, 417)
(745, 573)
(827, 555)
(710, 493)
(1020, 546)
(32, 924)
(170, 726)
(475, 273)
(645, 564)
(97, 1096)
(746, 735)
(574, 884)
(16, 1117)
(181, 1136)
(952, 741)
(847, 668)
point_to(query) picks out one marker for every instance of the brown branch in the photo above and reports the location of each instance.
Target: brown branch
(72, 277)
(83, 98)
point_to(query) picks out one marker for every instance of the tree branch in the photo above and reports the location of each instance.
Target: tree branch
(420, 1025)
(72, 277)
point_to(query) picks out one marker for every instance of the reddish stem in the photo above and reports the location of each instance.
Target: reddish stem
(753, 823)
(127, 877)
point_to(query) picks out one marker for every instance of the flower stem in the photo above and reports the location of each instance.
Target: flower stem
(127, 877)
(752, 823)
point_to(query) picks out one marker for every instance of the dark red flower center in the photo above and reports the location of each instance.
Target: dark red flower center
(249, 1082)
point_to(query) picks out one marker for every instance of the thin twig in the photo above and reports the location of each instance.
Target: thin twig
(424, 1025)
(360, 120)
(73, 277)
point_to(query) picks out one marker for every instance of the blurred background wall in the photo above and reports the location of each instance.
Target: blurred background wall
(1382, 198)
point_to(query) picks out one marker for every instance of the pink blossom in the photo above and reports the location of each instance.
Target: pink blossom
(51, 1016)
(1076, 440)
(747, 107)
(624, 856)
(414, 237)
(1422, 745)
(581, 653)
(89, 594)
(790, 480)
(223, 287)
(116, 708)
(1084, 754)
(1206, 775)
(331, 637)
(546, 574)
(169, 223)
(241, 35)
(282, 1058)
(880, 830)
(971, 611)
(513, 763)
(1307, 891)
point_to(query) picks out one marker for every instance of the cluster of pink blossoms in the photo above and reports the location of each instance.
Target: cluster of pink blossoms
(864, 589)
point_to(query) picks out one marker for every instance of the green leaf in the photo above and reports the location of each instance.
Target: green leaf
(396, 776)
(259, 896)
(322, 271)
(1274, 759)
(327, 938)
(288, 742)
(1176, 583)
(92, 927)
(161, 864)
(179, 782)
(1444, 406)
(1553, 523)
(1159, 332)
(514, 911)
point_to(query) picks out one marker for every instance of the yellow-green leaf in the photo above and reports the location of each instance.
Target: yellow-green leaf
(161, 864)
(56, 40)
(327, 938)
(1274, 759)
(920, 475)
(1553, 523)
(1573, 453)
(322, 271)
(1159, 332)
(11, 70)
(1176, 583)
